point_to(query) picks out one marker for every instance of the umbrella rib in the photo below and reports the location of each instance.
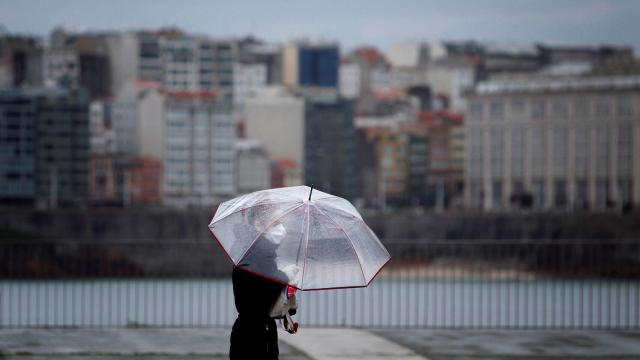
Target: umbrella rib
(306, 246)
(249, 207)
(265, 229)
(364, 277)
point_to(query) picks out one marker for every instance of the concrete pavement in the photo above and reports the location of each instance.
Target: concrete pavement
(321, 344)
(484, 344)
(122, 344)
(344, 344)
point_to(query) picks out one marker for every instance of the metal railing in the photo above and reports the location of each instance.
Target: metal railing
(428, 284)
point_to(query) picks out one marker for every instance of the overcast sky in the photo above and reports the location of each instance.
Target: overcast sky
(351, 22)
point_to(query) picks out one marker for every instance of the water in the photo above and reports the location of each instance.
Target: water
(389, 302)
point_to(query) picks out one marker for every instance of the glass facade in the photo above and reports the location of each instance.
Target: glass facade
(318, 66)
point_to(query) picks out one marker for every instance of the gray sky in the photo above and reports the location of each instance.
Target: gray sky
(351, 22)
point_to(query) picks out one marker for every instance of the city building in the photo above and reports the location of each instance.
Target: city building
(445, 148)
(21, 61)
(184, 62)
(137, 114)
(75, 59)
(330, 144)
(45, 146)
(308, 64)
(199, 154)
(102, 176)
(554, 143)
(253, 51)
(364, 72)
(248, 80)
(253, 166)
(276, 118)
(17, 146)
(144, 181)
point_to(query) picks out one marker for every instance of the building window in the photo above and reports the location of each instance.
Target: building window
(538, 109)
(497, 149)
(496, 191)
(560, 193)
(517, 107)
(581, 108)
(560, 151)
(496, 110)
(625, 149)
(560, 109)
(537, 151)
(538, 193)
(602, 152)
(603, 107)
(517, 152)
(476, 151)
(582, 151)
(625, 106)
(475, 110)
(602, 194)
(582, 194)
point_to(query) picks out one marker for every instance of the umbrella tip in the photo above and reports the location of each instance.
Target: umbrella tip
(310, 192)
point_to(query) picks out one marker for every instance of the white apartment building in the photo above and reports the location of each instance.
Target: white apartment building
(137, 113)
(248, 80)
(199, 150)
(276, 119)
(349, 79)
(568, 143)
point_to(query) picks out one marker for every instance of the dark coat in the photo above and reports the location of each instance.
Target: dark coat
(254, 334)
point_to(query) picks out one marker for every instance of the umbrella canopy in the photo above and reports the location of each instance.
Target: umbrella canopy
(307, 239)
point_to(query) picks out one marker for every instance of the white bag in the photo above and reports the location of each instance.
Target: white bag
(283, 304)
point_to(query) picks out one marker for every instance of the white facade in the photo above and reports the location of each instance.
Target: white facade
(248, 80)
(350, 80)
(199, 153)
(101, 137)
(451, 79)
(123, 59)
(406, 55)
(568, 143)
(137, 119)
(61, 64)
(253, 167)
(276, 119)
(380, 78)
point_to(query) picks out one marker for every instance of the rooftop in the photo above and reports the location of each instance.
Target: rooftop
(530, 85)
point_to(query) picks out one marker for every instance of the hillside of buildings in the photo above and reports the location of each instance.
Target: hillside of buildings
(167, 118)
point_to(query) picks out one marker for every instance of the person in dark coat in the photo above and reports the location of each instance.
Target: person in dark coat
(254, 334)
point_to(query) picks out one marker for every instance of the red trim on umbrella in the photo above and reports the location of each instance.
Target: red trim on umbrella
(220, 244)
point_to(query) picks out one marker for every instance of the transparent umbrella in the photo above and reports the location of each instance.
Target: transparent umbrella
(301, 237)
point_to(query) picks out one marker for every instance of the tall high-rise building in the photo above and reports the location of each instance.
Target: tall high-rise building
(199, 150)
(330, 144)
(18, 146)
(311, 65)
(248, 80)
(563, 143)
(75, 59)
(276, 118)
(45, 155)
(185, 62)
(21, 61)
